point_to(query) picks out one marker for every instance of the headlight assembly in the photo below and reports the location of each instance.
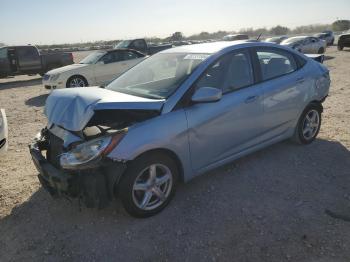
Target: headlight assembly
(54, 77)
(86, 154)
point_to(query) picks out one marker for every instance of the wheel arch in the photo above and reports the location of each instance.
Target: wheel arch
(316, 102)
(169, 153)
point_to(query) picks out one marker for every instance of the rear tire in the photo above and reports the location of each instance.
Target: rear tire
(148, 184)
(309, 124)
(76, 81)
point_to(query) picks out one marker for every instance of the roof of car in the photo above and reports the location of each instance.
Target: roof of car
(207, 48)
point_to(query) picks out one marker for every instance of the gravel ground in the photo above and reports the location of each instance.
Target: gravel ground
(268, 206)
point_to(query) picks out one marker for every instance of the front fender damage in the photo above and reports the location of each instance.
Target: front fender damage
(94, 184)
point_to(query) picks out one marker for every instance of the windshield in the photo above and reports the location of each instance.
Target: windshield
(158, 76)
(293, 40)
(93, 57)
(123, 44)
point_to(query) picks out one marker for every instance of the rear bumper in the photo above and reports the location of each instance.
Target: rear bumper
(95, 187)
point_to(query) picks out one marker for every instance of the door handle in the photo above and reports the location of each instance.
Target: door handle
(251, 99)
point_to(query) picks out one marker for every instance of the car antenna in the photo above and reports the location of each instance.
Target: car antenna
(259, 37)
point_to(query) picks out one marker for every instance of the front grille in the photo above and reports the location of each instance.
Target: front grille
(55, 150)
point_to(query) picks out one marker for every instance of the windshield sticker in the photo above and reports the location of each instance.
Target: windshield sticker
(196, 57)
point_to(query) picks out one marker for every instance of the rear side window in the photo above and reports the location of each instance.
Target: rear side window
(139, 44)
(274, 63)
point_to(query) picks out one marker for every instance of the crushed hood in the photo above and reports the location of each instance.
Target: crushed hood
(73, 108)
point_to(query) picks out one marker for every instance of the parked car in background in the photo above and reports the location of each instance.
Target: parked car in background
(3, 131)
(344, 41)
(180, 43)
(98, 68)
(326, 36)
(142, 46)
(276, 39)
(235, 37)
(306, 44)
(27, 60)
(176, 115)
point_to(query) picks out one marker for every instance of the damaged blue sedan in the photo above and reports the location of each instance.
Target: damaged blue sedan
(174, 116)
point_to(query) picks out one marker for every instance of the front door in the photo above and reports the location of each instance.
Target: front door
(28, 59)
(221, 129)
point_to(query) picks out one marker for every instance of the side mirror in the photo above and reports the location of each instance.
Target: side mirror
(101, 62)
(206, 95)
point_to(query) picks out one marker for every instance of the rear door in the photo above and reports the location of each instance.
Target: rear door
(28, 59)
(280, 81)
(221, 129)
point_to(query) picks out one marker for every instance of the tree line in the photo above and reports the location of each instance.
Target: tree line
(338, 26)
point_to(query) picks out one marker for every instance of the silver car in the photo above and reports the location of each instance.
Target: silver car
(306, 44)
(174, 116)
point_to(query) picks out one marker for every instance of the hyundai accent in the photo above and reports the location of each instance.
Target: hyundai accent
(174, 116)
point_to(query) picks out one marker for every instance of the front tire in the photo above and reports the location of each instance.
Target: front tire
(76, 81)
(308, 125)
(148, 185)
(340, 48)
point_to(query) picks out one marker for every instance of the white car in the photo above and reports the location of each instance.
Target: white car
(97, 69)
(3, 132)
(306, 44)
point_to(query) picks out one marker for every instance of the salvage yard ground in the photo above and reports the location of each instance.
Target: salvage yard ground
(268, 206)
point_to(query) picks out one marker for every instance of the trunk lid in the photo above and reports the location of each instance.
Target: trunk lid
(73, 108)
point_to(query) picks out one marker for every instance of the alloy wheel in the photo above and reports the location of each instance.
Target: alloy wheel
(311, 124)
(77, 82)
(152, 187)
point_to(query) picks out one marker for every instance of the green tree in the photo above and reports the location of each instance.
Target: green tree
(341, 25)
(279, 30)
(177, 36)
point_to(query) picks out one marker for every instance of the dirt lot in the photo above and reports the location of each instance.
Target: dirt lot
(269, 206)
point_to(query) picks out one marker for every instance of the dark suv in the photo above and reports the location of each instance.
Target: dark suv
(344, 41)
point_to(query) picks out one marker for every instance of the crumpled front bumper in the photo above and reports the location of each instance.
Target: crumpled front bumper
(94, 187)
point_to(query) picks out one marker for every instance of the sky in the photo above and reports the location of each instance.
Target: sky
(72, 21)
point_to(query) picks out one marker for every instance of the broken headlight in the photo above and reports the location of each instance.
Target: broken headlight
(83, 154)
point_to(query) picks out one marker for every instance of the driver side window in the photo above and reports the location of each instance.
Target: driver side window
(231, 72)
